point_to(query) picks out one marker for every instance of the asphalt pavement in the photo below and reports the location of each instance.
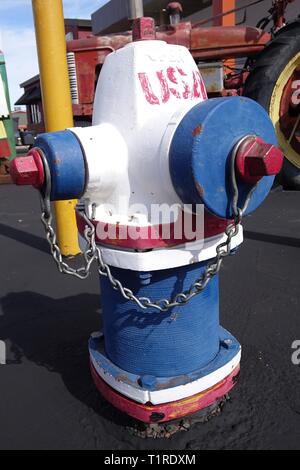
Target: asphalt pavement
(47, 397)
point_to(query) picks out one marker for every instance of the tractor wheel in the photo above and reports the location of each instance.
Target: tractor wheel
(274, 82)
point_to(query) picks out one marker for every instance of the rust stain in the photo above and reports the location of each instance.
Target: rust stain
(197, 130)
(191, 404)
(125, 379)
(208, 71)
(213, 88)
(200, 189)
(174, 382)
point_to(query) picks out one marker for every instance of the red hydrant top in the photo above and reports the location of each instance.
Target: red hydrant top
(143, 29)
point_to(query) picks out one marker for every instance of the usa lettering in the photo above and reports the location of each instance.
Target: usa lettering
(172, 82)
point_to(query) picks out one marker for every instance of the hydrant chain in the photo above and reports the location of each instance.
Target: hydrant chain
(63, 267)
(182, 298)
(223, 250)
(93, 253)
(89, 233)
(238, 213)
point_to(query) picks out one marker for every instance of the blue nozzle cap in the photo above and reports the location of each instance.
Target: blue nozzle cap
(66, 163)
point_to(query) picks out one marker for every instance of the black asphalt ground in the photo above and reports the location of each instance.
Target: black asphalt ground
(47, 398)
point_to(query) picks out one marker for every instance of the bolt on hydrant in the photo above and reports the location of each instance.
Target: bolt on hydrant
(156, 140)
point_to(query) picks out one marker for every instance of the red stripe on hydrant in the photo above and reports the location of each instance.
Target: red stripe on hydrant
(148, 413)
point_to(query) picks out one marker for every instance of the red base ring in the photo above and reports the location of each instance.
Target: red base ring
(167, 411)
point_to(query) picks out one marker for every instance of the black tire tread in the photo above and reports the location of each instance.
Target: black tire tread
(270, 63)
(261, 82)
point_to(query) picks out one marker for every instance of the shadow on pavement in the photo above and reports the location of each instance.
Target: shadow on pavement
(26, 238)
(53, 333)
(269, 238)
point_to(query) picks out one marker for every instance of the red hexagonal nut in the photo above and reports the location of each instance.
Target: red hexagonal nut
(256, 159)
(28, 170)
(143, 29)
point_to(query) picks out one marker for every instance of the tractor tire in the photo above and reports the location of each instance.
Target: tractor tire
(271, 83)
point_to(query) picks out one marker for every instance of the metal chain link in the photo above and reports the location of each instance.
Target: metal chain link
(93, 252)
(90, 254)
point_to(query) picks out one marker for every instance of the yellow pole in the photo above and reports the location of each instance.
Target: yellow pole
(57, 104)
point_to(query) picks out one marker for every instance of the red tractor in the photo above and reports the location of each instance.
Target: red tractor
(266, 67)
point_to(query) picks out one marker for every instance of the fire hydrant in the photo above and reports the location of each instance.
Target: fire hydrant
(156, 140)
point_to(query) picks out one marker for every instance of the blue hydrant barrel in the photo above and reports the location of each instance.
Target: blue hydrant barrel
(149, 342)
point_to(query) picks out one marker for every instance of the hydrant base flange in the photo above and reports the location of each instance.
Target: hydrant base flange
(169, 413)
(165, 390)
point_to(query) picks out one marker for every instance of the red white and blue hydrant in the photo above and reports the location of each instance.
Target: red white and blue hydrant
(156, 140)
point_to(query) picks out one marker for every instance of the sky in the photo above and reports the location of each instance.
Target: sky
(17, 38)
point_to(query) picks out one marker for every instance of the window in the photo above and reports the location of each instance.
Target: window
(35, 114)
(69, 36)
